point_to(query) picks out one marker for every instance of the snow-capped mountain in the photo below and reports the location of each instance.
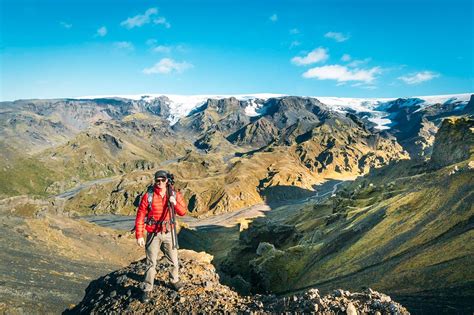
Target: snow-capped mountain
(181, 105)
(375, 110)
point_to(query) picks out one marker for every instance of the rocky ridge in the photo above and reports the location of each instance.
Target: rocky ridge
(118, 292)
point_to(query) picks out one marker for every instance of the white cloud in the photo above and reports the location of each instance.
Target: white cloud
(359, 62)
(102, 31)
(124, 45)
(165, 48)
(150, 15)
(317, 55)
(162, 20)
(364, 86)
(65, 25)
(273, 17)
(139, 19)
(343, 73)
(166, 66)
(419, 77)
(346, 57)
(294, 31)
(162, 49)
(338, 37)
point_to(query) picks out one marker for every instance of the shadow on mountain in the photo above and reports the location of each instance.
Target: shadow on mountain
(279, 195)
(251, 152)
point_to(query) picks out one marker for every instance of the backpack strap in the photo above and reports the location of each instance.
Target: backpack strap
(150, 193)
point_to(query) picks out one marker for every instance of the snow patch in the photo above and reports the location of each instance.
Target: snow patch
(182, 105)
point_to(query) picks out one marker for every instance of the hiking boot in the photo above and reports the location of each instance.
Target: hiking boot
(145, 296)
(176, 285)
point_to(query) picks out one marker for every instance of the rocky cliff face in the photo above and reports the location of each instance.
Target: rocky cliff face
(454, 141)
(225, 115)
(203, 293)
(415, 124)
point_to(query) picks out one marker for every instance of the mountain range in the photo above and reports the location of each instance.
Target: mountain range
(397, 213)
(270, 142)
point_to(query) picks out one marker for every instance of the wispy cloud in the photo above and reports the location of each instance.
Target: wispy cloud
(102, 31)
(162, 49)
(162, 20)
(419, 77)
(166, 66)
(338, 37)
(155, 47)
(149, 16)
(346, 58)
(341, 73)
(65, 24)
(363, 85)
(359, 62)
(273, 17)
(317, 55)
(124, 45)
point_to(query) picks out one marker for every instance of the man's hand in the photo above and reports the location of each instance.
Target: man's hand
(173, 200)
(141, 242)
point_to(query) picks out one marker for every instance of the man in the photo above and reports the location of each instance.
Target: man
(155, 219)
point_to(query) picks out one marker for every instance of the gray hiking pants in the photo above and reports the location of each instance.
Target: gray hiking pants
(153, 244)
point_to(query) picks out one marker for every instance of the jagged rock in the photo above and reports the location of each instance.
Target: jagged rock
(203, 293)
(264, 247)
(265, 231)
(259, 133)
(454, 141)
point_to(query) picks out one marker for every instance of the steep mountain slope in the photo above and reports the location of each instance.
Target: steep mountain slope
(115, 147)
(22, 174)
(405, 223)
(414, 122)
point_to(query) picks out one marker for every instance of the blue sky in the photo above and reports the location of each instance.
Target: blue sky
(66, 48)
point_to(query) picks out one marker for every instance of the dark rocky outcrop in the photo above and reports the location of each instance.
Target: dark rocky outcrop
(454, 141)
(271, 232)
(225, 115)
(258, 133)
(203, 293)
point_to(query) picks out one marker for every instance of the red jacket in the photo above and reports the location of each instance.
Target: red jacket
(159, 211)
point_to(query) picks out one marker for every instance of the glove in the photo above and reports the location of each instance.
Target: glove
(173, 200)
(141, 242)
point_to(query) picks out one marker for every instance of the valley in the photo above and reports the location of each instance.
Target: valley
(287, 193)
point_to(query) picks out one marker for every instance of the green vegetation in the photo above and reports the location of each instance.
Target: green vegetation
(21, 174)
(403, 236)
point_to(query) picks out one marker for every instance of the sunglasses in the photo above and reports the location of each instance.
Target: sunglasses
(163, 180)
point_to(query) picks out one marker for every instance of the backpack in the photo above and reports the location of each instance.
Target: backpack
(150, 192)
